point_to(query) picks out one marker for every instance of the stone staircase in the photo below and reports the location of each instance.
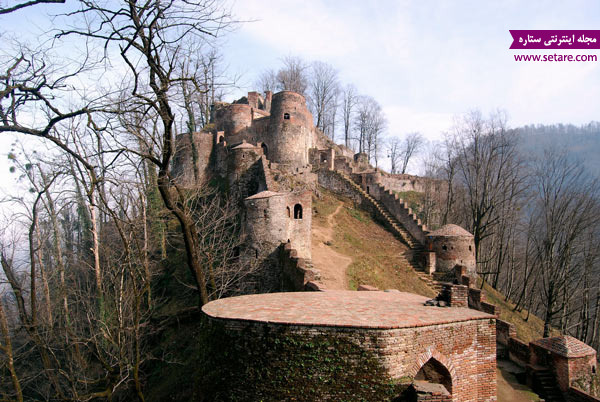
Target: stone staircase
(546, 384)
(392, 222)
(416, 248)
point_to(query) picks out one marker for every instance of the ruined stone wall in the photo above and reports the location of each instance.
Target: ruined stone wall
(467, 350)
(577, 395)
(232, 118)
(406, 182)
(243, 171)
(582, 368)
(265, 227)
(193, 147)
(331, 181)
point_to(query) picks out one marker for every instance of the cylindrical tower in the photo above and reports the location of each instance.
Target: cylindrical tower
(265, 227)
(453, 246)
(291, 128)
(234, 118)
(239, 162)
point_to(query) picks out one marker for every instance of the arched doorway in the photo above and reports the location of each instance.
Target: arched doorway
(435, 372)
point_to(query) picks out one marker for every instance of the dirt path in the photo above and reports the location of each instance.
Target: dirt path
(332, 264)
(509, 390)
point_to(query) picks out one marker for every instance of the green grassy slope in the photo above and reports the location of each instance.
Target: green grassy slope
(378, 257)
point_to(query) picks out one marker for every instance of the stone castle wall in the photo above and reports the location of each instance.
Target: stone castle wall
(192, 160)
(469, 358)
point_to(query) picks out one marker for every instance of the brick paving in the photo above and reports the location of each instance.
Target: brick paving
(381, 310)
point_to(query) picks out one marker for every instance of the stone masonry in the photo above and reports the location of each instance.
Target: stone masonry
(403, 333)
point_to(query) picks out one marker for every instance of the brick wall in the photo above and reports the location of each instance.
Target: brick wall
(518, 351)
(454, 295)
(577, 395)
(504, 331)
(467, 349)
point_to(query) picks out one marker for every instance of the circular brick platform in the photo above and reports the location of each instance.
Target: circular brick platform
(387, 335)
(382, 310)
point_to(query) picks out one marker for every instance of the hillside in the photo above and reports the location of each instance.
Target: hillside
(350, 249)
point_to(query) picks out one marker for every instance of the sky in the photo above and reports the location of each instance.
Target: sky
(426, 62)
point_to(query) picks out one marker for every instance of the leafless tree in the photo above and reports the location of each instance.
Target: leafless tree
(393, 152)
(293, 76)
(409, 147)
(18, 6)
(489, 170)
(565, 210)
(349, 101)
(370, 123)
(267, 81)
(149, 39)
(323, 92)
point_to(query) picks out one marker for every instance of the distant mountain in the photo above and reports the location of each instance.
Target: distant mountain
(580, 142)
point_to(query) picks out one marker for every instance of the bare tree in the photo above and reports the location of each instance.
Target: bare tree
(565, 209)
(349, 101)
(489, 170)
(393, 152)
(148, 38)
(293, 76)
(323, 91)
(370, 123)
(18, 6)
(409, 147)
(267, 81)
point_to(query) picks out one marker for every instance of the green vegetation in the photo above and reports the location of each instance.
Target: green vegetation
(527, 330)
(279, 365)
(379, 259)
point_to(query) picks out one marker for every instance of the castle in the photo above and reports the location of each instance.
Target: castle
(272, 157)
(269, 154)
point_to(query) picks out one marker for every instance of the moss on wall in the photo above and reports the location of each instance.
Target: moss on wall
(275, 363)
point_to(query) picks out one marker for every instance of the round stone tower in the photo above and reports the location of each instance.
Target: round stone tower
(239, 163)
(453, 246)
(233, 118)
(290, 130)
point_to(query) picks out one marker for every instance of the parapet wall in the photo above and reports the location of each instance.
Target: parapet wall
(403, 213)
(296, 272)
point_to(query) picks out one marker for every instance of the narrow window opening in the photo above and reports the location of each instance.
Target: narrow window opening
(368, 189)
(288, 212)
(265, 150)
(265, 213)
(286, 116)
(256, 253)
(470, 248)
(297, 211)
(444, 247)
(593, 370)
